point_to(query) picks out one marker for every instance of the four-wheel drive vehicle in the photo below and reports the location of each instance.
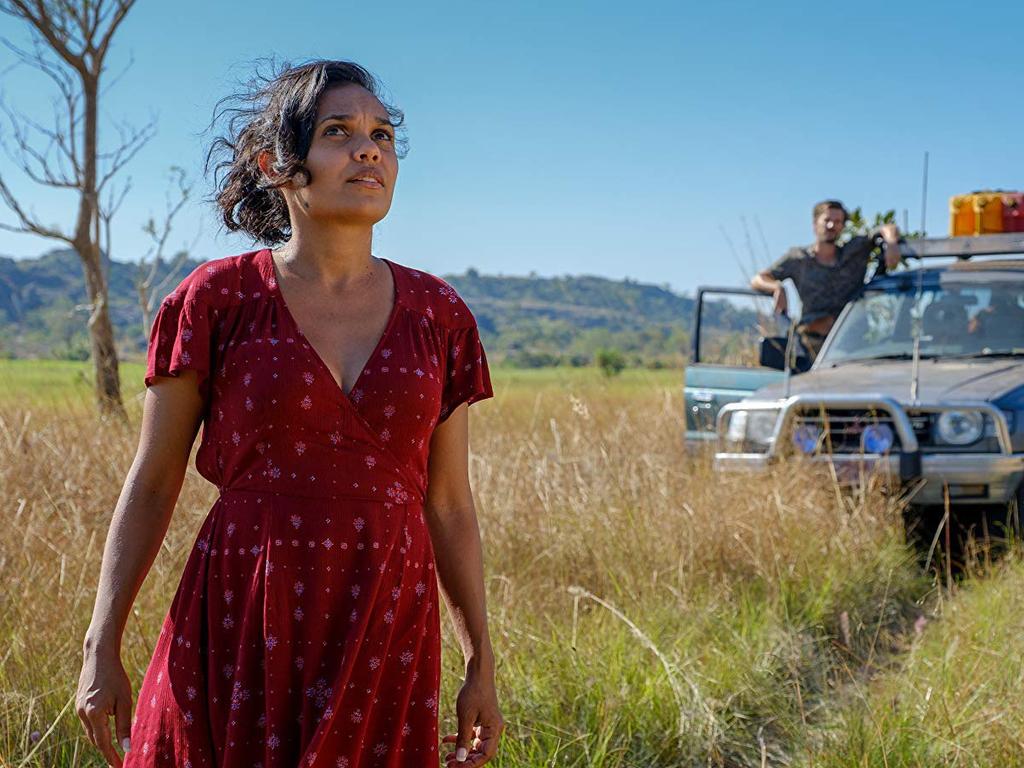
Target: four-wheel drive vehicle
(921, 379)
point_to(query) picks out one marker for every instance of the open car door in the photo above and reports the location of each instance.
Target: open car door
(739, 346)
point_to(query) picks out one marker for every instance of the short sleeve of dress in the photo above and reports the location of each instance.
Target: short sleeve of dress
(467, 377)
(180, 338)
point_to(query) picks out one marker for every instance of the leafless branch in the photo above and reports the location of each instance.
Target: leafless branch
(38, 59)
(75, 31)
(52, 28)
(115, 79)
(123, 6)
(27, 222)
(36, 163)
(70, 41)
(178, 193)
(132, 140)
(106, 214)
(160, 289)
(114, 200)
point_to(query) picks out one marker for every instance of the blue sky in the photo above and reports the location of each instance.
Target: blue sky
(618, 139)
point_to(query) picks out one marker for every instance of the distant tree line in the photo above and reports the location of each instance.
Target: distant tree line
(525, 322)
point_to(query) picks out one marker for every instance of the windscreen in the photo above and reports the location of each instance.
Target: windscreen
(954, 318)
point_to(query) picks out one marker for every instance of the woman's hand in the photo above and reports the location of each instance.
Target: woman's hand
(480, 722)
(104, 690)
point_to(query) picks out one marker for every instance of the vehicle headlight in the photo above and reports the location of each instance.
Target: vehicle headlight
(761, 426)
(960, 427)
(754, 426)
(877, 438)
(737, 430)
(806, 438)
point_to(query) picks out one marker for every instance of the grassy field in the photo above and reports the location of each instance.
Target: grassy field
(644, 611)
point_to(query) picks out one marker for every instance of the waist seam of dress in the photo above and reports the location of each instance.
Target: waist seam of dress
(291, 494)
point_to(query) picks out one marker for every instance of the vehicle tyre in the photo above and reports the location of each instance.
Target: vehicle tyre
(1015, 513)
(977, 532)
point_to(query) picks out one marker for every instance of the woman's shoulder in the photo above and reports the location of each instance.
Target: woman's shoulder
(221, 282)
(434, 297)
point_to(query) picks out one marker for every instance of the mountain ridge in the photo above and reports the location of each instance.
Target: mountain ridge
(524, 320)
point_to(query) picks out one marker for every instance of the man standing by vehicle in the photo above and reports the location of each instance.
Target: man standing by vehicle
(826, 275)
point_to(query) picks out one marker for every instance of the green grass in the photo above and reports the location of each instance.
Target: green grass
(957, 697)
(70, 383)
(645, 612)
(58, 383)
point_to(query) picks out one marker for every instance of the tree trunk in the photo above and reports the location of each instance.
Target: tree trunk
(101, 332)
(101, 335)
(147, 322)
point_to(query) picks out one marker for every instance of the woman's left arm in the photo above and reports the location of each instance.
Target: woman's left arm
(455, 535)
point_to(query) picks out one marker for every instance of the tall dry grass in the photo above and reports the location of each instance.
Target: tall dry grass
(651, 612)
(644, 611)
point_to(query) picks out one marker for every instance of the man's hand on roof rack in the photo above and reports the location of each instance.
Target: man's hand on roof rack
(891, 235)
(889, 232)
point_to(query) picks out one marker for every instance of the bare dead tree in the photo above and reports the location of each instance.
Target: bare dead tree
(147, 286)
(107, 211)
(70, 42)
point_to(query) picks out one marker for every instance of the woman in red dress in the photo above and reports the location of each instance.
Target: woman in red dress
(331, 387)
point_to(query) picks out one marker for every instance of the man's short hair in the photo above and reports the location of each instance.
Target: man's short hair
(826, 205)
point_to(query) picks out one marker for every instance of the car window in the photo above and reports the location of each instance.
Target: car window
(732, 327)
(952, 319)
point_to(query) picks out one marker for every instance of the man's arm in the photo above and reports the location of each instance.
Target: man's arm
(864, 245)
(891, 235)
(763, 282)
(769, 281)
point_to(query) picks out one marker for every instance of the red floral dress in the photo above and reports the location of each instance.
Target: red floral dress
(305, 630)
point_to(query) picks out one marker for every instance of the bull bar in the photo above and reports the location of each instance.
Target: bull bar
(1001, 472)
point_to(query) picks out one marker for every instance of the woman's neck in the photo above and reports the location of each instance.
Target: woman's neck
(332, 256)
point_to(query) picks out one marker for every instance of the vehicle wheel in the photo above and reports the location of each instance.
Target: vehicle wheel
(977, 533)
(1015, 512)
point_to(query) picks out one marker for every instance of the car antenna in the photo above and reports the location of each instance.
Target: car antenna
(924, 197)
(788, 373)
(918, 324)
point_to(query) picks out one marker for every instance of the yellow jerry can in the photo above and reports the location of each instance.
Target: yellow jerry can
(980, 213)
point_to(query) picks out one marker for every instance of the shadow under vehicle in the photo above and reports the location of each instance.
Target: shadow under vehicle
(920, 383)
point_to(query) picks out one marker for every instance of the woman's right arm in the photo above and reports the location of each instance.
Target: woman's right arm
(170, 420)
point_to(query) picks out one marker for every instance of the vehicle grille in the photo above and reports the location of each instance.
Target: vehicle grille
(843, 427)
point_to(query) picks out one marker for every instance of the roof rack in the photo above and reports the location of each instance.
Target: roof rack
(964, 247)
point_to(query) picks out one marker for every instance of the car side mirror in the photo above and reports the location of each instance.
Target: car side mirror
(773, 355)
(773, 352)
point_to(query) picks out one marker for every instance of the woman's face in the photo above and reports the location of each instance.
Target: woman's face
(352, 161)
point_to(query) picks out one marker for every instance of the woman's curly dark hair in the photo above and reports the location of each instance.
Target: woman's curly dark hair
(276, 114)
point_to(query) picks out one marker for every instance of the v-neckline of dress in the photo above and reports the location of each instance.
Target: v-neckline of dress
(275, 287)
